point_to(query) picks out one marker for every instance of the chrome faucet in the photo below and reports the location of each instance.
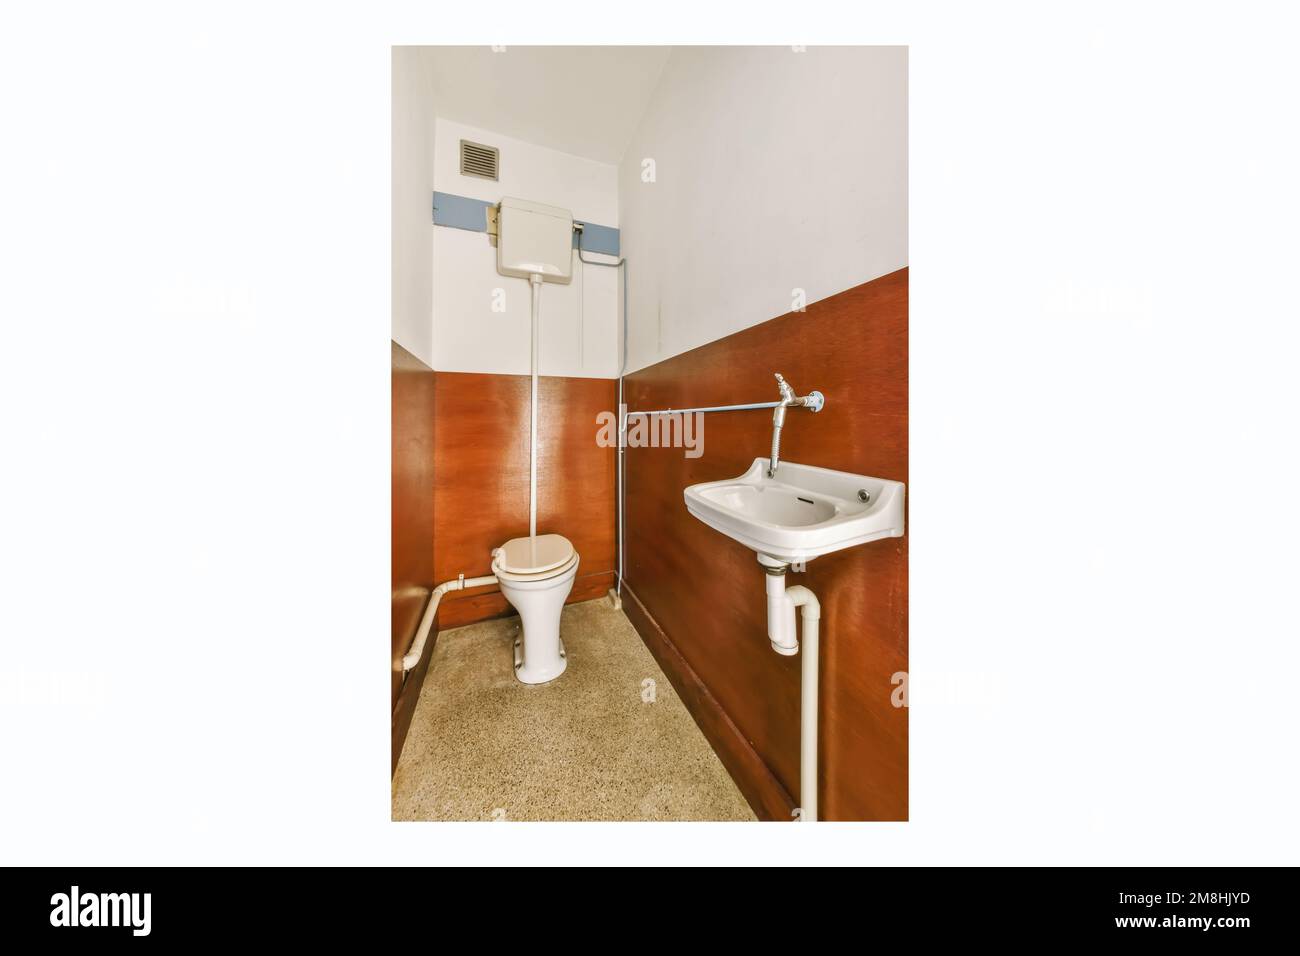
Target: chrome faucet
(813, 401)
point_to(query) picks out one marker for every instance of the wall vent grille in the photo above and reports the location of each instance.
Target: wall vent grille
(479, 160)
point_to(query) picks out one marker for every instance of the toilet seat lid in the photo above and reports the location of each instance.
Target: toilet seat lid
(534, 555)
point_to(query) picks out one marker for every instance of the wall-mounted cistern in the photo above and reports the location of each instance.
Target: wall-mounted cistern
(813, 401)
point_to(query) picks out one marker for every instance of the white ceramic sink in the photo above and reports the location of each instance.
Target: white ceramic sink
(802, 513)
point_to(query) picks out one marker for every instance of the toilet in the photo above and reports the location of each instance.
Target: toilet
(536, 575)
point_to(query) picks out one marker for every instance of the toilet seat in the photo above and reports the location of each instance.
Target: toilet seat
(534, 559)
(543, 576)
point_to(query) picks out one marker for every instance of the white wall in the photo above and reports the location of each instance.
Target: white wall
(775, 170)
(468, 335)
(412, 223)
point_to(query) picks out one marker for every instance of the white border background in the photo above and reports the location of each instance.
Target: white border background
(194, 384)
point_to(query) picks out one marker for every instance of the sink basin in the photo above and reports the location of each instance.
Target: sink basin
(802, 513)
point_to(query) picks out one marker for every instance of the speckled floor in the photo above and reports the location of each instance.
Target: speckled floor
(599, 743)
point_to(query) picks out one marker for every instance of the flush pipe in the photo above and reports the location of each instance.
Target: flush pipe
(781, 604)
(535, 281)
(407, 663)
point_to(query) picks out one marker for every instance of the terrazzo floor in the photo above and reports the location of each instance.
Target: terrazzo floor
(598, 743)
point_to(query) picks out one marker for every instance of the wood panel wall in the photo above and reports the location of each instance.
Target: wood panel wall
(697, 597)
(413, 431)
(481, 483)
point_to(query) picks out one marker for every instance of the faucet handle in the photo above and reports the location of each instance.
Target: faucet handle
(786, 391)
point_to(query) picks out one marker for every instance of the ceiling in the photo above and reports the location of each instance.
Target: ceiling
(549, 95)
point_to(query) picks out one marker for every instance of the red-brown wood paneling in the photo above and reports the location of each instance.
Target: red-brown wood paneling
(698, 597)
(481, 484)
(413, 397)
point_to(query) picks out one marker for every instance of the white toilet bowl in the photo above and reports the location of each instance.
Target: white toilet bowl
(536, 575)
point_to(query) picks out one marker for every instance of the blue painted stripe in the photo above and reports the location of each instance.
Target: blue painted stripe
(462, 212)
(597, 238)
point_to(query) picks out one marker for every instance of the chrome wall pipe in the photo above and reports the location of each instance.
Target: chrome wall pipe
(813, 401)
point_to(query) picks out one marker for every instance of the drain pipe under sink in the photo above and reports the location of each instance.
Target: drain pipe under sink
(407, 663)
(781, 603)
